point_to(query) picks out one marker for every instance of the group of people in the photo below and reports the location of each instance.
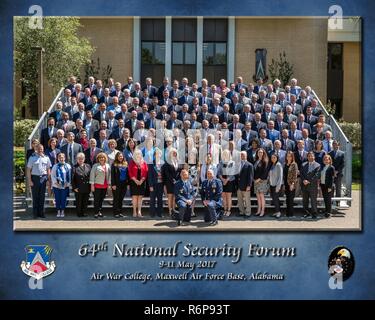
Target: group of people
(185, 141)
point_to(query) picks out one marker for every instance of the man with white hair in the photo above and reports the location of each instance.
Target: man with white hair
(91, 84)
(78, 92)
(294, 88)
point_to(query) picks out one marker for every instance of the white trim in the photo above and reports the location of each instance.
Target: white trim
(231, 49)
(168, 46)
(136, 49)
(199, 49)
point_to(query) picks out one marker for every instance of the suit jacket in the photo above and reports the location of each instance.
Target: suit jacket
(116, 133)
(338, 160)
(44, 136)
(182, 117)
(265, 119)
(185, 100)
(249, 136)
(244, 118)
(169, 174)
(161, 89)
(56, 115)
(93, 128)
(77, 148)
(238, 126)
(200, 117)
(97, 92)
(195, 125)
(245, 177)
(273, 135)
(309, 144)
(289, 146)
(290, 118)
(96, 134)
(115, 176)
(312, 120)
(329, 177)
(87, 153)
(152, 90)
(313, 176)
(208, 101)
(257, 126)
(296, 135)
(300, 160)
(303, 125)
(225, 117)
(77, 115)
(81, 178)
(70, 126)
(153, 172)
(281, 154)
(266, 144)
(280, 127)
(177, 124)
(106, 100)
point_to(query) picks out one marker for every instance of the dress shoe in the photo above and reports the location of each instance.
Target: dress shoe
(213, 223)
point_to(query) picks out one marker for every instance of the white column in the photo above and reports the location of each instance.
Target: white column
(136, 49)
(168, 46)
(231, 49)
(199, 49)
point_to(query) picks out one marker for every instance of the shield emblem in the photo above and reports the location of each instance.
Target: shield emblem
(38, 264)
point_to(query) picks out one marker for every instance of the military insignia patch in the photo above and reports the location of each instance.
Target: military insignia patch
(38, 264)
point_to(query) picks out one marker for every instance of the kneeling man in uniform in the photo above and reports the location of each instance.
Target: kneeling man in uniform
(185, 194)
(211, 191)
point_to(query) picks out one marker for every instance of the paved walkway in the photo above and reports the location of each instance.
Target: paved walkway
(344, 219)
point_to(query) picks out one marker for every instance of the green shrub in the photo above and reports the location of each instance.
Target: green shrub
(22, 130)
(356, 166)
(353, 131)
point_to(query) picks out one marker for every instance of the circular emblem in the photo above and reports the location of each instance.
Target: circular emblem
(341, 260)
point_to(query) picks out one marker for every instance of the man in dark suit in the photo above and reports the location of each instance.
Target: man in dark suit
(103, 126)
(57, 113)
(308, 143)
(310, 118)
(301, 124)
(272, 134)
(249, 135)
(257, 123)
(244, 180)
(204, 114)
(225, 116)
(71, 149)
(152, 122)
(265, 143)
(137, 92)
(280, 125)
(152, 91)
(48, 133)
(92, 152)
(98, 91)
(236, 124)
(165, 86)
(80, 114)
(129, 84)
(338, 161)
(185, 193)
(310, 175)
(204, 99)
(132, 123)
(173, 122)
(287, 144)
(267, 114)
(185, 98)
(246, 115)
(118, 130)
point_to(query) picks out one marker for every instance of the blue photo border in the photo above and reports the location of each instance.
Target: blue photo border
(306, 274)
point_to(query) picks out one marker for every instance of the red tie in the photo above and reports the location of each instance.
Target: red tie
(92, 155)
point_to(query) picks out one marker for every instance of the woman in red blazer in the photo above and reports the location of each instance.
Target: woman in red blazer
(138, 171)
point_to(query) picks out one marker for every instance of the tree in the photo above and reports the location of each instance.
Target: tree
(281, 69)
(65, 51)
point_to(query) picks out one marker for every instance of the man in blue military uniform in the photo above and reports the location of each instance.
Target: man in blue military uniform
(185, 194)
(211, 191)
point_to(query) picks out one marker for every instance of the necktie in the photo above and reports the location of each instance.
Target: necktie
(71, 153)
(92, 154)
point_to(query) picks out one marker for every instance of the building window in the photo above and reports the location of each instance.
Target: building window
(184, 49)
(335, 77)
(153, 49)
(153, 52)
(215, 35)
(215, 53)
(184, 53)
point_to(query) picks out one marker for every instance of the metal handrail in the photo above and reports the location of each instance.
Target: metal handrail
(42, 122)
(345, 144)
